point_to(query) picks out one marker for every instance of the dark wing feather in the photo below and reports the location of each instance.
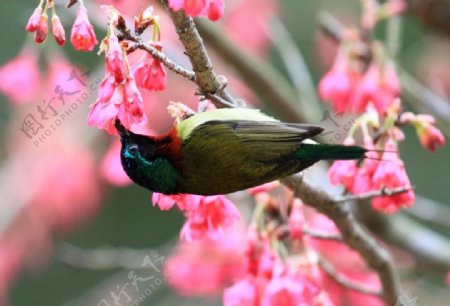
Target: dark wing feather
(226, 156)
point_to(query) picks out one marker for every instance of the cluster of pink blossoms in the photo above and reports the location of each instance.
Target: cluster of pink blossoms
(211, 8)
(82, 35)
(119, 94)
(277, 272)
(373, 90)
(207, 216)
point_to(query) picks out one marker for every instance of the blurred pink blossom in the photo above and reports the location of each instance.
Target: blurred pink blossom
(20, 78)
(205, 267)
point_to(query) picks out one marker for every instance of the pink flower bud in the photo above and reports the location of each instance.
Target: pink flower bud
(296, 219)
(83, 36)
(216, 8)
(33, 22)
(58, 31)
(430, 137)
(42, 29)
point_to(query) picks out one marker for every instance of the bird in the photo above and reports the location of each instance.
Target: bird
(223, 151)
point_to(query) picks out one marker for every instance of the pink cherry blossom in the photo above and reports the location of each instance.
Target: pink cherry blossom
(33, 22)
(204, 268)
(391, 173)
(210, 218)
(20, 79)
(58, 31)
(343, 172)
(337, 86)
(242, 293)
(150, 74)
(183, 201)
(115, 60)
(83, 36)
(379, 85)
(287, 291)
(124, 103)
(42, 29)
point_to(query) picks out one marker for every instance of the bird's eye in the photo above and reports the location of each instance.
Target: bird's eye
(133, 149)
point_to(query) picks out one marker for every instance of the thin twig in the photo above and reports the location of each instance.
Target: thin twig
(346, 282)
(324, 236)
(373, 194)
(160, 56)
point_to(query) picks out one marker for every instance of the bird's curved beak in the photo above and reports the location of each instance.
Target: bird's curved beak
(123, 132)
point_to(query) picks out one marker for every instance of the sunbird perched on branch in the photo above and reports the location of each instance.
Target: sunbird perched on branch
(223, 151)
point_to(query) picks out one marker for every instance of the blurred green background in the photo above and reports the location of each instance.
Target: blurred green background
(128, 218)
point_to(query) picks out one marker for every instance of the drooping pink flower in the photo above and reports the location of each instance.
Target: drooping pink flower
(115, 61)
(58, 31)
(42, 29)
(204, 268)
(430, 137)
(210, 218)
(380, 85)
(111, 168)
(150, 74)
(242, 293)
(183, 201)
(343, 172)
(83, 37)
(392, 174)
(33, 22)
(20, 79)
(124, 103)
(337, 86)
(287, 291)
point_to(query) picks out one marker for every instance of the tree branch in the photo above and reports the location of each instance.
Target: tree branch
(341, 279)
(353, 234)
(205, 77)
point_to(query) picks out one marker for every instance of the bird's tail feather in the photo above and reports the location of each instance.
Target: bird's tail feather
(309, 151)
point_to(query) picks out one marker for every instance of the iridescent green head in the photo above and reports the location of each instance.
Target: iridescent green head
(141, 162)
